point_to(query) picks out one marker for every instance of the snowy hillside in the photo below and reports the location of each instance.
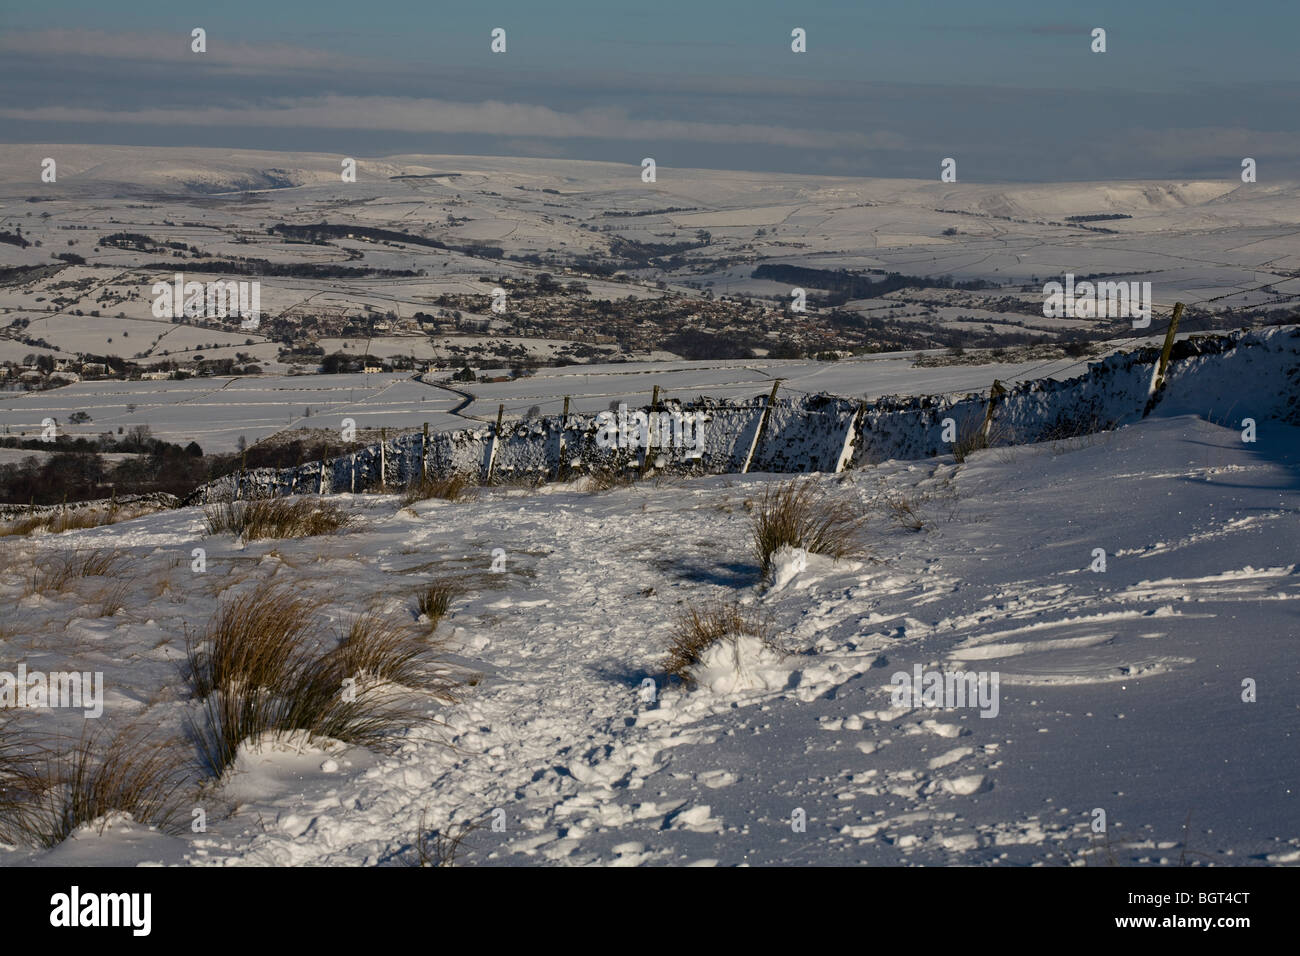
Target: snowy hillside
(1120, 689)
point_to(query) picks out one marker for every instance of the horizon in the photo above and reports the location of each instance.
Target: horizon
(1014, 94)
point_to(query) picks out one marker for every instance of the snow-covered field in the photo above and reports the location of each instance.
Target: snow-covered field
(216, 411)
(1120, 689)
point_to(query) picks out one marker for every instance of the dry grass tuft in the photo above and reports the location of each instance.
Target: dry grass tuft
(57, 572)
(699, 628)
(49, 799)
(112, 599)
(252, 640)
(797, 514)
(377, 647)
(440, 847)
(434, 600)
(609, 477)
(275, 518)
(257, 673)
(452, 488)
(906, 513)
(56, 522)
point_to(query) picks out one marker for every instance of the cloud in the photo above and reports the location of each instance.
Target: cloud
(174, 48)
(412, 115)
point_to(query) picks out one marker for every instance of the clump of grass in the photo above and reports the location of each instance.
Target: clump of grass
(56, 573)
(434, 600)
(699, 628)
(131, 774)
(113, 599)
(257, 672)
(798, 515)
(377, 647)
(440, 847)
(252, 640)
(20, 786)
(56, 522)
(275, 518)
(454, 487)
(906, 513)
(608, 477)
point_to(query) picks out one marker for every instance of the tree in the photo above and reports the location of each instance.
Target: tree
(139, 437)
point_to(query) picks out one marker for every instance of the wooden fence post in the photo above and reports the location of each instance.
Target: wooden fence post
(846, 452)
(320, 487)
(243, 467)
(1158, 377)
(996, 392)
(561, 465)
(651, 431)
(496, 436)
(353, 486)
(383, 459)
(762, 427)
(424, 454)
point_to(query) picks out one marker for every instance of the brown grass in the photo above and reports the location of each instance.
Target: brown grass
(609, 477)
(63, 790)
(452, 488)
(377, 647)
(699, 628)
(256, 672)
(112, 599)
(56, 522)
(275, 518)
(434, 600)
(440, 847)
(797, 514)
(57, 572)
(252, 640)
(906, 513)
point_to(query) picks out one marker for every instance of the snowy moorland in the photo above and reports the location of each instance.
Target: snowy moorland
(1120, 690)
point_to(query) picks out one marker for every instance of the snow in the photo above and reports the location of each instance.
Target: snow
(1119, 690)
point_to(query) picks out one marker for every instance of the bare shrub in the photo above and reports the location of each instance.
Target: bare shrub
(275, 518)
(906, 512)
(699, 628)
(797, 514)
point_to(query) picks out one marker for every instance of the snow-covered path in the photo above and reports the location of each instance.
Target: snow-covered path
(1119, 690)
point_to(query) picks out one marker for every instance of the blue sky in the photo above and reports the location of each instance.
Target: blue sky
(887, 88)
